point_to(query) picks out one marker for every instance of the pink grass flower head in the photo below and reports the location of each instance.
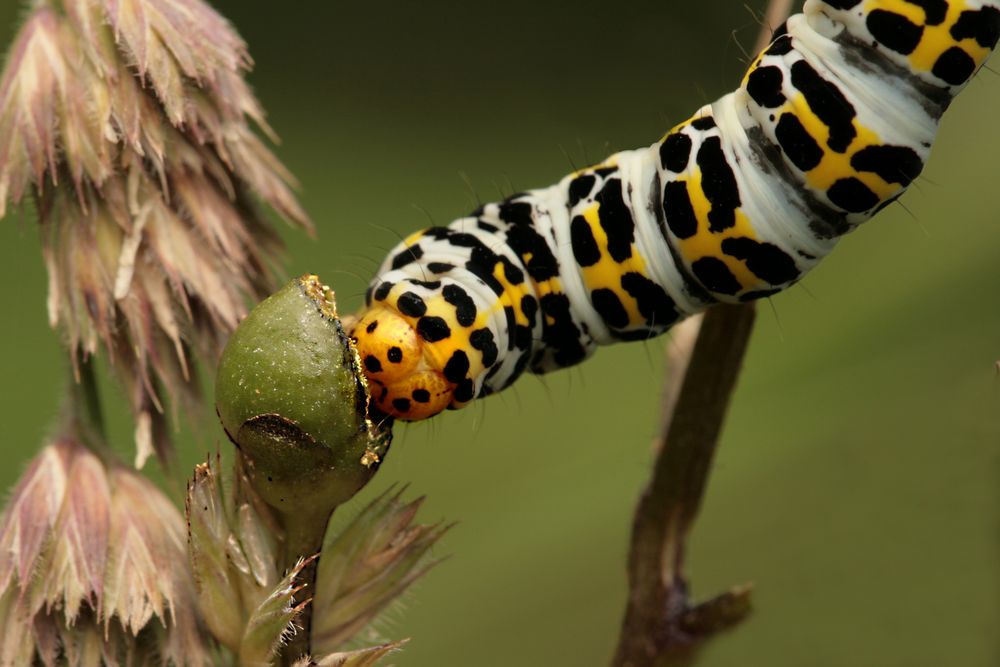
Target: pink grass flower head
(92, 564)
(128, 123)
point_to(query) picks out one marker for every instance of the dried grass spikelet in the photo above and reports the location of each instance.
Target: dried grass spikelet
(367, 566)
(253, 609)
(91, 567)
(129, 123)
(365, 657)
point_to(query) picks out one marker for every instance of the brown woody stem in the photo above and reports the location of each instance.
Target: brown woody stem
(659, 620)
(661, 626)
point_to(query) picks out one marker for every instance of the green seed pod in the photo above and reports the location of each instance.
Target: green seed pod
(291, 396)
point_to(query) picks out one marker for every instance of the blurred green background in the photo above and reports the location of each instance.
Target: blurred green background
(856, 484)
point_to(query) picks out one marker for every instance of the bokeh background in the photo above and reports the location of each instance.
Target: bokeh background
(856, 483)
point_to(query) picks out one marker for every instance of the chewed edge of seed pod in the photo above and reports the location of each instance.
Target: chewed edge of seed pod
(291, 396)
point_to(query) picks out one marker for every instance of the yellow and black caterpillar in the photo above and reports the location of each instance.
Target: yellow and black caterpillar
(831, 123)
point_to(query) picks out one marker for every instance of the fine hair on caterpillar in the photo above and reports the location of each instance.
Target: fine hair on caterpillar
(831, 123)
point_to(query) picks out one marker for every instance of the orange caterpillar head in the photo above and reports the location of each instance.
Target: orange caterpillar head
(405, 381)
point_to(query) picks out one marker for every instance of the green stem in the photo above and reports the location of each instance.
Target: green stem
(88, 397)
(304, 534)
(82, 414)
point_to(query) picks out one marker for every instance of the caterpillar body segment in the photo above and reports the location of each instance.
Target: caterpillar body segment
(831, 123)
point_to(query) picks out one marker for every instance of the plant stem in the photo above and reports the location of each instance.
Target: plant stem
(82, 415)
(660, 624)
(776, 13)
(87, 398)
(304, 534)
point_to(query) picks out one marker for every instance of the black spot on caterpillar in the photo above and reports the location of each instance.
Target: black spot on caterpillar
(626, 248)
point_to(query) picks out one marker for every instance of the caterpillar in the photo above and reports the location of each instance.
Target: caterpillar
(831, 123)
